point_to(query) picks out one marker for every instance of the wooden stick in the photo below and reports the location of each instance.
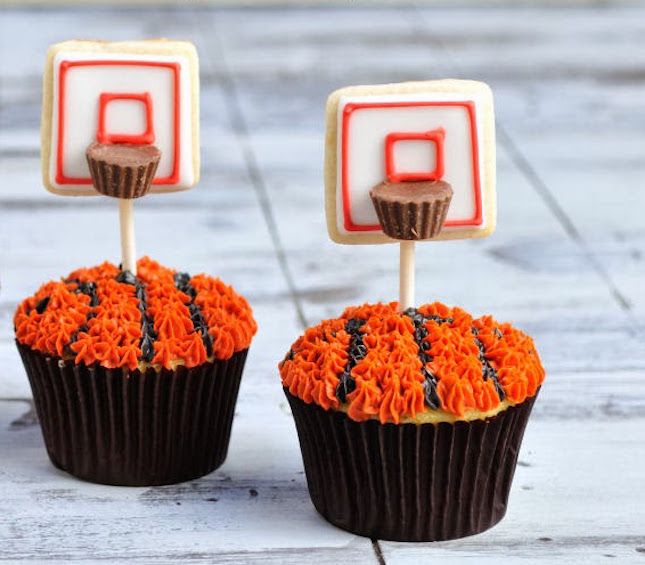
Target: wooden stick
(406, 275)
(126, 222)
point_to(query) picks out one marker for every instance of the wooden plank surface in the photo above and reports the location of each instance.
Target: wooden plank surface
(567, 264)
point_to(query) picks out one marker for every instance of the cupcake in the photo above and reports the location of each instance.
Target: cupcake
(135, 378)
(410, 423)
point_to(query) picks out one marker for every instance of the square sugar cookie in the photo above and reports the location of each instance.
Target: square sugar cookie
(139, 92)
(430, 130)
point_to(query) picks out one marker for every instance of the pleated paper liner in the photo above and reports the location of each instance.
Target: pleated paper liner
(409, 482)
(117, 427)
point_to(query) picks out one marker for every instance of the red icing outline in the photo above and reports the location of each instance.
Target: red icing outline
(65, 66)
(435, 136)
(145, 138)
(350, 108)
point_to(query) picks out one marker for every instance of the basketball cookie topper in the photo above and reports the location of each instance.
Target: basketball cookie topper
(120, 119)
(410, 162)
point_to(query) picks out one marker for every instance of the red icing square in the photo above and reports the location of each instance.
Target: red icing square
(435, 137)
(352, 108)
(66, 66)
(104, 136)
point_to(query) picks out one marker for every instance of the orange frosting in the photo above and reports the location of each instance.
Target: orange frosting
(227, 313)
(389, 379)
(514, 357)
(60, 319)
(51, 330)
(322, 356)
(168, 306)
(113, 334)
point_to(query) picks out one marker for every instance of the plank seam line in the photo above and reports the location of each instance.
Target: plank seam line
(378, 552)
(565, 221)
(241, 131)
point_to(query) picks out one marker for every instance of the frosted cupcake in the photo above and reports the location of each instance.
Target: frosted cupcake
(410, 423)
(135, 379)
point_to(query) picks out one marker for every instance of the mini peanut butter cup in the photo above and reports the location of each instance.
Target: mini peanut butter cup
(412, 210)
(122, 170)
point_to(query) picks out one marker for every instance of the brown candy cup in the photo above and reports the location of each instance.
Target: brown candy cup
(134, 428)
(412, 210)
(122, 170)
(409, 482)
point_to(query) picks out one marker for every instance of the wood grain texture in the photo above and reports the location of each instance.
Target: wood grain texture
(566, 263)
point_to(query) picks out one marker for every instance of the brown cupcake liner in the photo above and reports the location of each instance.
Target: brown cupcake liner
(409, 482)
(411, 220)
(133, 428)
(122, 181)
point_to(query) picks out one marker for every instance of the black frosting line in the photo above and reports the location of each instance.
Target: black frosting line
(41, 306)
(356, 351)
(182, 283)
(88, 289)
(488, 372)
(148, 334)
(420, 333)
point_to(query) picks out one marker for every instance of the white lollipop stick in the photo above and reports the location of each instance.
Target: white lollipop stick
(128, 247)
(406, 275)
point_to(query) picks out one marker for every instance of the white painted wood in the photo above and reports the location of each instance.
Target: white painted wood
(239, 514)
(569, 244)
(575, 118)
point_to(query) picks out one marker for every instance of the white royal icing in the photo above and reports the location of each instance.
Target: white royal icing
(368, 128)
(85, 84)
